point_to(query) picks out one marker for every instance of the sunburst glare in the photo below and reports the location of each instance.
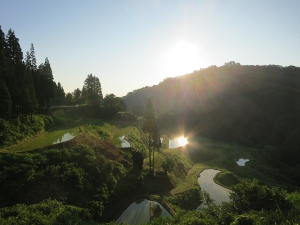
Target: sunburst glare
(184, 57)
(182, 141)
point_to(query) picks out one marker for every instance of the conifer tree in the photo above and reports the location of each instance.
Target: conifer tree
(33, 59)
(15, 70)
(5, 101)
(2, 55)
(150, 128)
(76, 95)
(60, 94)
(46, 82)
(83, 95)
(29, 103)
(69, 98)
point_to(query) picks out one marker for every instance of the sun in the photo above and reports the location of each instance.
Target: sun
(182, 58)
(182, 141)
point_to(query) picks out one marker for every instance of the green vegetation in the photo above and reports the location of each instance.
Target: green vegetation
(81, 176)
(89, 173)
(254, 106)
(22, 127)
(183, 200)
(227, 112)
(47, 212)
(250, 203)
(227, 178)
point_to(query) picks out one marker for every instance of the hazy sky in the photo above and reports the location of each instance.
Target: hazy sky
(130, 44)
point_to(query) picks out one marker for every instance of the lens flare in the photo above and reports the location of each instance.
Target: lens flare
(182, 141)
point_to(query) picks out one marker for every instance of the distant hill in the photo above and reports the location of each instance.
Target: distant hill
(251, 105)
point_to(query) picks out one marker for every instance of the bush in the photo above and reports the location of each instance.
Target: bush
(47, 212)
(249, 195)
(125, 116)
(14, 130)
(227, 178)
(79, 177)
(187, 200)
(243, 220)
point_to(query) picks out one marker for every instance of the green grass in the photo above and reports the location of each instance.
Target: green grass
(44, 139)
(135, 139)
(119, 133)
(226, 178)
(100, 129)
(188, 162)
(175, 181)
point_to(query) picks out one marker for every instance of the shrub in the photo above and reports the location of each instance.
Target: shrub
(187, 200)
(125, 116)
(46, 212)
(227, 178)
(249, 195)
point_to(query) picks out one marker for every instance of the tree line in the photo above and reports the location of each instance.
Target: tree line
(27, 88)
(24, 86)
(249, 105)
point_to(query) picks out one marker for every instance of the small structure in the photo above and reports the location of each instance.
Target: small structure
(138, 159)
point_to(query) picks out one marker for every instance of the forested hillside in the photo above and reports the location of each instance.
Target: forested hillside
(28, 90)
(249, 105)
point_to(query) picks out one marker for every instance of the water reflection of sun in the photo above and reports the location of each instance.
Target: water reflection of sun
(182, 141)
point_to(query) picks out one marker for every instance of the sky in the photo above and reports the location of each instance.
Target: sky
(130, 44)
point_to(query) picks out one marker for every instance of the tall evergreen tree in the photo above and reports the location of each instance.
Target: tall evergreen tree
(15, 70)
(29, 103)
(27, 60)
(5, 101)
(83, 96)
(76, 95)
(150, 128)
(60, 94)
(93, 89)
(46, 82)
(3, 69)
(29, 87)
(33, 59)
(31, 66)
(69, 98)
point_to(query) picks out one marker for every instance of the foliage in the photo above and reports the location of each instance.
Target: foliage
(44, 84)
(286, 212)
(188, 200)
(105, 131)
(150, 127)
(47, 212)
(76, 95)
(227, 178)
(135, 140)
(92, 90)
(168, 164)
(126, 116)
(23, 86)
(248, 105)
(186, 217)
(60, 95)
(249, 195)
(14, 130)
(81, 177)
(5, 101)
(167, 119)
(112, 105)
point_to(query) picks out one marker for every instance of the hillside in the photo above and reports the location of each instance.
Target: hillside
(256, 106)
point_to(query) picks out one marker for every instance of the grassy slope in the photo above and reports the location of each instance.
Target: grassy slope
(189, 161)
